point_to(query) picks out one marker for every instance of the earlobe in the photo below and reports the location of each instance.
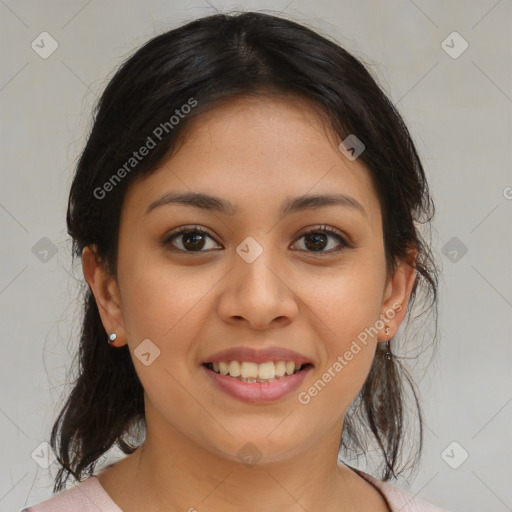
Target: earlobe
(105, 290)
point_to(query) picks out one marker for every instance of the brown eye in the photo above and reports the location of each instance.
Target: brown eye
(193, 239)
(317, 240)
(189, 240)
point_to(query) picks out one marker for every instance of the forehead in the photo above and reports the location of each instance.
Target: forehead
(255, 152)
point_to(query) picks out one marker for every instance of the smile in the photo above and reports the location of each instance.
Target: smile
(247, 371)
(256, 383)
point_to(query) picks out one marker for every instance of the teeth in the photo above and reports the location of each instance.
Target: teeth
(254, 372)
(290, 368)
(249, 370)
(266, 371)
(234, 368)
(280, 368)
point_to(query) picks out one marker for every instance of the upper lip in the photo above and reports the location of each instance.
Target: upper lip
(253, 355)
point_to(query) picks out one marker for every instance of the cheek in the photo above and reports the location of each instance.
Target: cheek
(160, 299)
(166, 305)
(348, 308)
(339, 379)
(348, 300)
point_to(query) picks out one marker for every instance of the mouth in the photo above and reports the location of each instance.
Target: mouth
(251, 372)
(257, 375)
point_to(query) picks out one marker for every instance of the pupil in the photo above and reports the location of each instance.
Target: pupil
(195, 239)
(319, 238)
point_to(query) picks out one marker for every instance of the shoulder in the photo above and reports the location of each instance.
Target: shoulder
(399, 499)
(87, 496)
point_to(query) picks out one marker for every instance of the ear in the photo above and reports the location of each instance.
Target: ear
(105, 290)
(398, 291)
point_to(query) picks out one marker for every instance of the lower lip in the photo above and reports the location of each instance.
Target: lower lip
(257, 392)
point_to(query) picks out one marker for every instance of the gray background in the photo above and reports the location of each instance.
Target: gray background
(459, 113)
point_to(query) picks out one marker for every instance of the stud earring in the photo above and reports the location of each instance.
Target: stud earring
(111, 338)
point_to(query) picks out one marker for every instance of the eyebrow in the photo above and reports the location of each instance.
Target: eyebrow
(291, 205)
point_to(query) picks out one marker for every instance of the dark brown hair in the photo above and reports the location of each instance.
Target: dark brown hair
(211, 60)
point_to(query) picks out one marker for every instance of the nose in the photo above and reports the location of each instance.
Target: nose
(257, 294)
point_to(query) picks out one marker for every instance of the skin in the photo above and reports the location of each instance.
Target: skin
(256, 153)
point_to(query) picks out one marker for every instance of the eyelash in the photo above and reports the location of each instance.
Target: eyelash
(197, 230)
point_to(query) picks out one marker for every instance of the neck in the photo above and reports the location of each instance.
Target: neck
(170, 472)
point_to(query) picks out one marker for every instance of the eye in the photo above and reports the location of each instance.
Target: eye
(191, 239)
(194, 239)
(317, 239)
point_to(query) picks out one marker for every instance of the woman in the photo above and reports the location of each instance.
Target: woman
(246, 213)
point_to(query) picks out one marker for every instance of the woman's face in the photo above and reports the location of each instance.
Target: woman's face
(256, 282)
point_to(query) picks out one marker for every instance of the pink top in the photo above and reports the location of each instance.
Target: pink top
(90, 496)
